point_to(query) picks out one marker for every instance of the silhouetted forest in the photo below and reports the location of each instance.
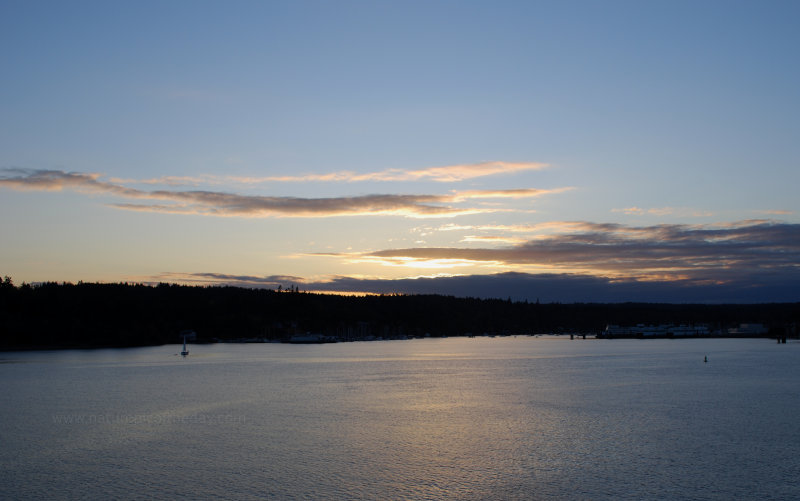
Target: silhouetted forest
(53, 315)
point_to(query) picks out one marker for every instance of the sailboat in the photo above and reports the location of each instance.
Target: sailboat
(185, 351)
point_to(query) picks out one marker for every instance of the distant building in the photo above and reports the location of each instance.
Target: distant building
(748, 330)
(652, 331)
(312, 339)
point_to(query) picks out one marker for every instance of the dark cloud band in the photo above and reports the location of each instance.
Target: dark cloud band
(551, 287)
(707, 253)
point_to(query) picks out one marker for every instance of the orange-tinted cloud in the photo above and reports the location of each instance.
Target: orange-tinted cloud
(448, 173)
(638, 211)
(445, 174)
(514, 193)
(777, 212)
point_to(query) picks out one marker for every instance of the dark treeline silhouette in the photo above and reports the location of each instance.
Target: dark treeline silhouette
(53, 315)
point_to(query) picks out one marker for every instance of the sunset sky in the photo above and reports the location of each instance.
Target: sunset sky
(561, 151)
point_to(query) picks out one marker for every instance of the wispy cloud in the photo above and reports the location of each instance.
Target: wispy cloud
(515, 193)
(56, 180)
(664, 211)
(493, 239)
(638, 211)
(200, 180)
(535, 230)
(519, 233)
(201, 202)
(444, 174)
(777, 212)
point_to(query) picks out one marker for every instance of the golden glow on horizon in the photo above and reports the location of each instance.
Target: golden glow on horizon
(413, 262)
(493, 238)
(341, 293)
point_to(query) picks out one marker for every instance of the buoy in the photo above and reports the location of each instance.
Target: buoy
(705, 359)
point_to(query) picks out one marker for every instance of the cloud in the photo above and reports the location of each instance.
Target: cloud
(444, 174)
(737, 262)
(266, 282)
(515, 193)
(638, 211)
(461, 172)
(226, 204)
(664, 211)
(537, 229)
(230, 204)
(751, 249)
(56, 180)
(571, 288)
(777, 212)
(550, 287)
(203, 179)
(493, 238)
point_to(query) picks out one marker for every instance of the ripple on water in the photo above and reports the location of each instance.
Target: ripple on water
(517, 418)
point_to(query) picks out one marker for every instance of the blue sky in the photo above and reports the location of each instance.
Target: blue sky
(494, 148)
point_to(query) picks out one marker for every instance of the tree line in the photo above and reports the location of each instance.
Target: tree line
(56, 315)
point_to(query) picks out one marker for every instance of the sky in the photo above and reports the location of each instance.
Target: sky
(572, 151)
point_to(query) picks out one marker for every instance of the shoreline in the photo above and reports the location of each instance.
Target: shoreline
(577, 336)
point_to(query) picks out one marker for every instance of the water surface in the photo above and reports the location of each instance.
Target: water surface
(458, 418)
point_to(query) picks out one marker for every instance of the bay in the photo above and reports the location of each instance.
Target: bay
(459, 418)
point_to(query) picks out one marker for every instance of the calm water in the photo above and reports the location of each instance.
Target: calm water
(484, 418)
